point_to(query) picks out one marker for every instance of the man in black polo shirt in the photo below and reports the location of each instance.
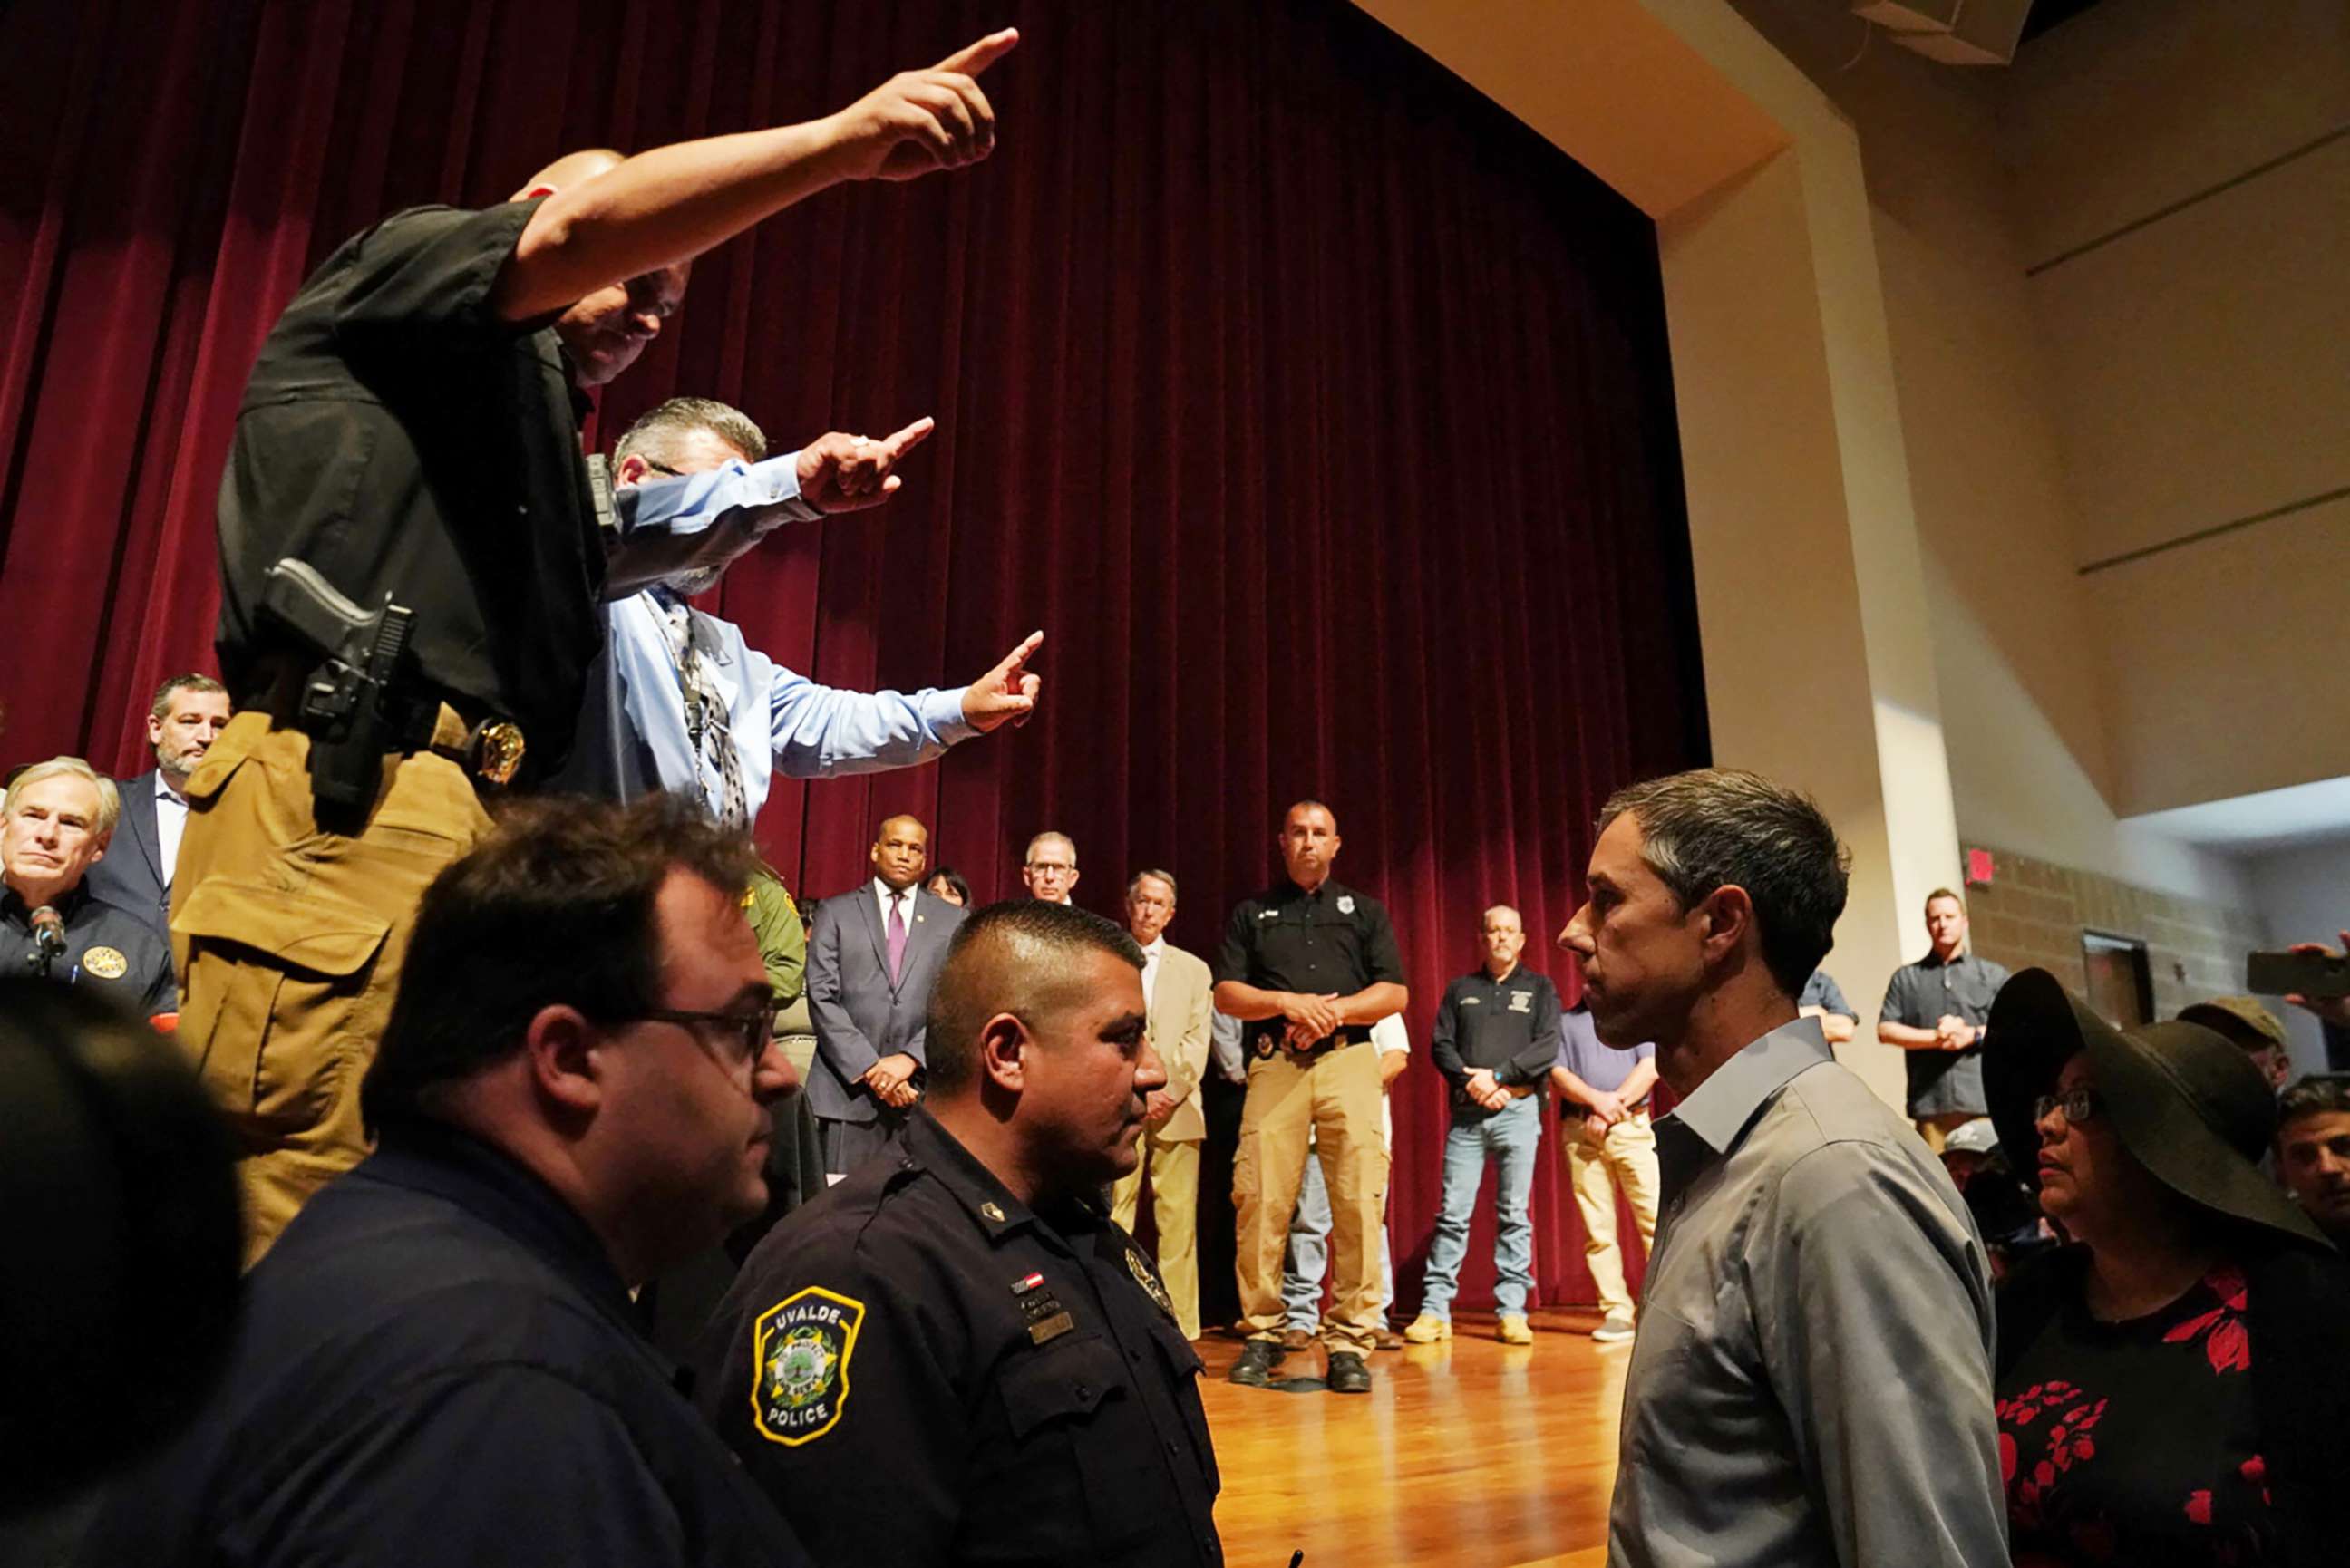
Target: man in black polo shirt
(411, 431)
(438, 1362)
(1308, 966)
(59, 820)
(1496, 1033)
(955, 1356)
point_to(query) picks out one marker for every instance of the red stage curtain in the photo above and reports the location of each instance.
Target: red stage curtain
(1319, 412)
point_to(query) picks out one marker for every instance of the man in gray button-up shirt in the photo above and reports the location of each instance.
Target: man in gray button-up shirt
(1811, 1384)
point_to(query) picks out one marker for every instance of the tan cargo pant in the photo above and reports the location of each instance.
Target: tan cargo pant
(288, 940)
(1174, 1168)
(1626, 1158)
(1333, 1101)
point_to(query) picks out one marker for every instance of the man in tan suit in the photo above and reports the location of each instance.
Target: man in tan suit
(1176, 990)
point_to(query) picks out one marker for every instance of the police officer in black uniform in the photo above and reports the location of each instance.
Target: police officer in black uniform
(1309, 965)
(955, 1356)
(59, 819)
(438, 1362)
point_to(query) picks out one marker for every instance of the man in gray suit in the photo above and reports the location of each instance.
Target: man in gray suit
(872, 955)
(135, 876)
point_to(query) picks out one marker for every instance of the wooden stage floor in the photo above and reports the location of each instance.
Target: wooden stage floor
(1468, 1453)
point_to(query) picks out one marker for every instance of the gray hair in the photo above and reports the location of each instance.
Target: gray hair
(657, 430)
(1487, 918)
(1720, 827)
(109, 799)
(1152, 872)
(1050, 835)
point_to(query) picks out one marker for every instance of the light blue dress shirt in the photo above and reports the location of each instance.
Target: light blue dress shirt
(632, 735)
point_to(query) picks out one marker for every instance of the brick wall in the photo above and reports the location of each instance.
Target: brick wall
(2034, 915)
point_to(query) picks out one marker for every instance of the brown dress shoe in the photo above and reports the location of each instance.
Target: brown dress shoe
(1388, 1339)
(1296, 1339)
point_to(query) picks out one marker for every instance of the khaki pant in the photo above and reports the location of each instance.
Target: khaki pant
(1174, 1168)
(1626, 1158)
(288, 940)
(1333, 1101)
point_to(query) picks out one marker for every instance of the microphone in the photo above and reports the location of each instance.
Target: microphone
(48, 937)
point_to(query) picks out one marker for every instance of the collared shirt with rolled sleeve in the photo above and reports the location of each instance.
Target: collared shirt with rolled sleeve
(919, 1368)
(1333, 941)
(1944, 1082)
(634, 737)
(1812, 1380)
(1508, 1026)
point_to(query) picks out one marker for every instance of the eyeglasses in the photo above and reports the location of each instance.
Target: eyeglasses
(748, 1033)
(2078, 1105)
(1050, 867)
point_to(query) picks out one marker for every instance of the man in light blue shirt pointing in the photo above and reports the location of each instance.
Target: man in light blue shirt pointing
(679, 701)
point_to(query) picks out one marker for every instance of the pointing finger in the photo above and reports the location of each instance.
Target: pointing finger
(898, 445)
(973, 58)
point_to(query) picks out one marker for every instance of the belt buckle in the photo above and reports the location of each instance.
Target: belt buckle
(494, 752)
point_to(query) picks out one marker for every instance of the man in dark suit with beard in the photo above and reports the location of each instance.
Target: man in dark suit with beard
(873, 954)
(136, 875)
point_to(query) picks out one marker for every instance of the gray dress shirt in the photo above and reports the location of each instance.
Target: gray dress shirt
(1812, 1380)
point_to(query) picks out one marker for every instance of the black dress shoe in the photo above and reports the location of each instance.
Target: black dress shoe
(1348, 1374)
(1258, 1358)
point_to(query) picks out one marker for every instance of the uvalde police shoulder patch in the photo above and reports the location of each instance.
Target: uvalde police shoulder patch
(799, 1354)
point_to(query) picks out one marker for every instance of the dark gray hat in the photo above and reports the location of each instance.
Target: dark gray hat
(2186, 1102)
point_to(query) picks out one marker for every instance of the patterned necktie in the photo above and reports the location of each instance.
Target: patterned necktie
(705, 723)
(897, 937)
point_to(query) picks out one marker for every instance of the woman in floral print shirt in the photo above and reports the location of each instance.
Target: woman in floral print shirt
(2170, 1389)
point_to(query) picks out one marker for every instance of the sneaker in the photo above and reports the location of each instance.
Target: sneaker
(1616, 1330)
(1296, 1339)
(1514, 1330)
(1348, 1374)
(1427, 1330)
(1254, 1368)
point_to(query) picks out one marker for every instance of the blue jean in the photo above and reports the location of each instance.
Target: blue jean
(1508, 1138)
(1309, 1254)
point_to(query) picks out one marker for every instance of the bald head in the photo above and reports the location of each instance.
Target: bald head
(570, 170)
(1021, 958)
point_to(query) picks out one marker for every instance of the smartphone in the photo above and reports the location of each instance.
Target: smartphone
(2297, 974)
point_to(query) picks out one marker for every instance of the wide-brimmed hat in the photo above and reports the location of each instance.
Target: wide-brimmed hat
(2187, 1103)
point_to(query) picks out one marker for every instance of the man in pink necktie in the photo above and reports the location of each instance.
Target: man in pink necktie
(872, 955)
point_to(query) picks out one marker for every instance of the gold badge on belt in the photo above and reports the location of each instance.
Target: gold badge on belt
(497, 748)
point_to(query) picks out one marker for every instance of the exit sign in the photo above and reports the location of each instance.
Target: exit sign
(1980, 868)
